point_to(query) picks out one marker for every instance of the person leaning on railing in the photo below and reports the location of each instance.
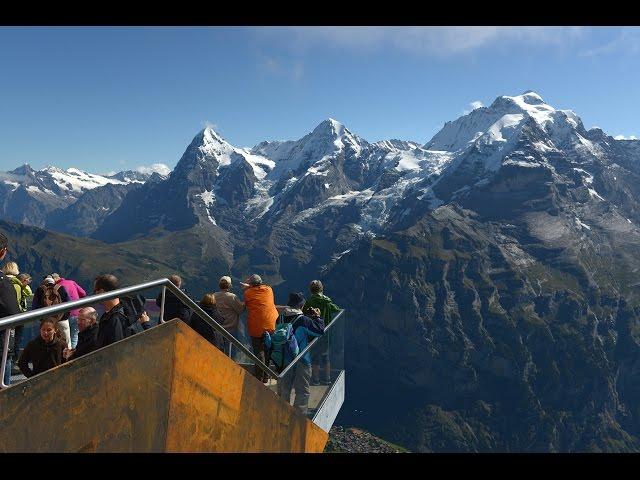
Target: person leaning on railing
(229, 306)
(321, 363)
(173, 306)
(208, 304)
(261, 317)
(305, 326)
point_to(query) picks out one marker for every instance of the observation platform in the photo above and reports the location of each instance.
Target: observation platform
(166, 389)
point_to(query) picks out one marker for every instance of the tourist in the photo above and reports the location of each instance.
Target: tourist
(261, 317)
(113, 321)
(11, 270)
(27, 293)
(44, 351)
(327, 309)
(23, 303)
(74, 292)
(230, 307)
(173, 306)
(209, 305)
(87, 335)
(49, 294)
(8, 304)
(304, 328)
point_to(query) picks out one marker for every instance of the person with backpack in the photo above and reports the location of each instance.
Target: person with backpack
(321, 362)
(74, 292)
(261, 317)
(113, 323)
(87, 336)
(44, 351)
(23, 303)
(27, 293)
(134, 310)
(290, 337)
(48, 294)
(8, 305)
(173, 306)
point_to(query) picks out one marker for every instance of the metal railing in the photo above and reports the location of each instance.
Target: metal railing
(22, 318)
(310, 345)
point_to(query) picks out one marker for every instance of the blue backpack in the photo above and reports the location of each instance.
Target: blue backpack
(284, 346)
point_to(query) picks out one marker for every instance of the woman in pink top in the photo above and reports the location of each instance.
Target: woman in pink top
(75, 292)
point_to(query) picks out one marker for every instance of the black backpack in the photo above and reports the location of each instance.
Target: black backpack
(133, 307)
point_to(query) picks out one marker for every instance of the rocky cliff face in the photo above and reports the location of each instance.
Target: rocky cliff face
(491, 344)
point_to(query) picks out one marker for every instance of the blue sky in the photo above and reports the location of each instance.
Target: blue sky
(107, 99)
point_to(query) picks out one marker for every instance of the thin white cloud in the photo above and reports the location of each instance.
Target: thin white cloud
(273, 66)
(430, 41)
(160, 168)
(622, 137)
(208, 124)
(473, 106)
(626, 42)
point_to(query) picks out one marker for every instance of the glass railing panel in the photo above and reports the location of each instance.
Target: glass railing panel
(306, 383)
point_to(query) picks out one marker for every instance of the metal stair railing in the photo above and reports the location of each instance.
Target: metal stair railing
(165, 283)
(21, 318)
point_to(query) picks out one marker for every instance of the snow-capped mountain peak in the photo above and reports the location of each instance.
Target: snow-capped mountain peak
(338, 133)
(210, 136)
(501, 120)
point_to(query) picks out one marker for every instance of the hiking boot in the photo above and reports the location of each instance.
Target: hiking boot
(314, 381)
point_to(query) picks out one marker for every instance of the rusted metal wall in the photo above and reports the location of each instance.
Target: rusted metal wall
(165, 390)
(113, 400)
(216, 405)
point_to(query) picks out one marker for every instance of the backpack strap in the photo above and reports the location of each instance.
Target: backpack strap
(295, 320)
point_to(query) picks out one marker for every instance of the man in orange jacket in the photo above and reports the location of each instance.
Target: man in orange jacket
(261, 317)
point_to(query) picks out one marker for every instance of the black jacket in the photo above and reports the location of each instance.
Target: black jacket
(133, 308)
(173, 307)
(206, 330)
(86, 341)
(44, 356)
(111, 327)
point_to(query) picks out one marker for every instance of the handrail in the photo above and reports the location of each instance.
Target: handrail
(309, 345)
(24, 317)
(204, 316)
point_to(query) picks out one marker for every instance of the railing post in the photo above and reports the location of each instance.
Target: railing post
(5, 354)
(164, 292)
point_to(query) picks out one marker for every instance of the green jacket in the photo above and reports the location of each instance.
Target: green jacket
(324, 303)
(22, 292)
